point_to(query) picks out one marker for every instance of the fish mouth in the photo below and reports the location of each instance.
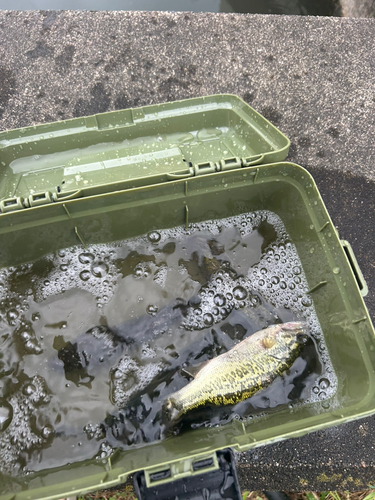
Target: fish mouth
(170, 413)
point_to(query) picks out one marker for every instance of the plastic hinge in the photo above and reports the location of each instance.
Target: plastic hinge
(214, 477)
(19, 203)
(208, 167)
(230, 163)
(35, 200)
(11, 204)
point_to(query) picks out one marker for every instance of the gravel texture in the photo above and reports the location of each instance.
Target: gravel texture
(312, 77)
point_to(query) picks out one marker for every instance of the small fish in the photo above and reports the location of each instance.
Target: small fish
(239, 373)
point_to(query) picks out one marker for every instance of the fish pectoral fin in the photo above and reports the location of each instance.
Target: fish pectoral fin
(268, 343)
(193, 371)
(275, 357)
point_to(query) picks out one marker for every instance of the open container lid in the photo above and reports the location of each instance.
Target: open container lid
(131, 148)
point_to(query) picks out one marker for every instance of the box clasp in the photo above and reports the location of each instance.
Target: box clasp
(213, 476)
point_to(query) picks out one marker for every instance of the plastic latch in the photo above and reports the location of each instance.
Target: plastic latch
(156, 476)
(362, 285)
(213, 478)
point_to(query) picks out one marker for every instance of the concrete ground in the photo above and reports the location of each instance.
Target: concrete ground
(312, 77)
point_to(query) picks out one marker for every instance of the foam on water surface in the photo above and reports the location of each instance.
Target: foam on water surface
(92, 342)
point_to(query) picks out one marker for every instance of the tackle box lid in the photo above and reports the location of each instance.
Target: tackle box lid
(108, 152)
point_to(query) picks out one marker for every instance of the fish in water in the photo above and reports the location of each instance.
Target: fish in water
(239, 373)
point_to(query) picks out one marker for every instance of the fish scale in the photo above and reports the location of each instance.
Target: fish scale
(239, 373)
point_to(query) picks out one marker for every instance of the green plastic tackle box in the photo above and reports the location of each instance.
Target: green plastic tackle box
(121, 174)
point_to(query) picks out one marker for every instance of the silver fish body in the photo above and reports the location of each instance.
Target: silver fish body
(239, 373)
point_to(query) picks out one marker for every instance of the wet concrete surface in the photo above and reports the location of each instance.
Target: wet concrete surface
(312, 77)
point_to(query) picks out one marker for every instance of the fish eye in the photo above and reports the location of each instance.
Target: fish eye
(302, 338)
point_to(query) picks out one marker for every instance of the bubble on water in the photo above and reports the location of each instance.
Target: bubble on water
(6, 414)
(255, 300)
(12, 315)
(94, 431)
(29, 389)
(83, 270)
(239, 293)
(18, 438)
(148, 352)
(130, 377)
(85, 275)
(160, 276)
(86, 258)
(105, 451)
(47, 431)
(208, 319)
(219, 299)
(151, 309)
(154, 236)
(99, 269)
(35, 316)
(324, 383)
(296, 270)
(26, 334)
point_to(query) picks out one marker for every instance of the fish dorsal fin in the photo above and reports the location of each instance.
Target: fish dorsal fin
(268, 342)
(193, 371)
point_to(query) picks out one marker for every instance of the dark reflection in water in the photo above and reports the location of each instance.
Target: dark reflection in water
(292, 7)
